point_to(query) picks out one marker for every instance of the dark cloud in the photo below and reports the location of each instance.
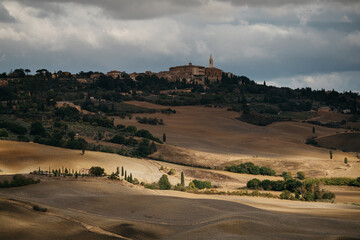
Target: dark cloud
(5, 15)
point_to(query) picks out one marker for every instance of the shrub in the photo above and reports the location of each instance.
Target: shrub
(287, 175)
(172, 172)
(301, 175)
(293, 185)
(23, 138)
(202, 184)
(18, 181)
(150, 186)
(4, 133)
(146, 134)
(266, 184)
(267, 171)
(118, 139)
(39, 209)
(37, 129)
(151, 121)
(13, 127)
(308, 196)
(328, 195)
(96, 171)
(164, 183)
(254, 184)
(277, 185)
(285, 195)
(251, 168)
(341, 181)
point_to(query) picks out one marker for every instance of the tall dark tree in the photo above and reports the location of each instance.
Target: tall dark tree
(164, 137)
(182, 179)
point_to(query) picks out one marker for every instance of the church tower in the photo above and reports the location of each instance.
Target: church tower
(211, 62)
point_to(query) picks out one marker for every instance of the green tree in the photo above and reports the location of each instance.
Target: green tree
(117, 171)
(125, 175)
(345, 160)
(331, 154)
(122, 171)
(182, 179)
(130, 178)
(164, 183)
(254, 184)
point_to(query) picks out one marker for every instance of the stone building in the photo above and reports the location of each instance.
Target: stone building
(191, 73)
(212, 73)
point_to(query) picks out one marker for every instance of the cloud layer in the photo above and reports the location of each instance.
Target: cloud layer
(277, 41)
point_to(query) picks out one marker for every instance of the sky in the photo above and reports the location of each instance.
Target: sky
(285, 43)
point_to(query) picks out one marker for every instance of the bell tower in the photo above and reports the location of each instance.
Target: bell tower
(211, 62)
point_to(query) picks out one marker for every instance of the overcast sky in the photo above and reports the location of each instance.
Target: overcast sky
(285, 43)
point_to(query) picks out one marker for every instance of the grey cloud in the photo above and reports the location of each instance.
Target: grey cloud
(278, 3)
(5, 15)
(125, 9)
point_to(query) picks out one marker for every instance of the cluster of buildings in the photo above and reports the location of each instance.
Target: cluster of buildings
(190, 73)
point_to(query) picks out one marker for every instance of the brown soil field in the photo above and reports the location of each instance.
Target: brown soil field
(348, 142)
(20, 157)
(103, 210)
(213, 137)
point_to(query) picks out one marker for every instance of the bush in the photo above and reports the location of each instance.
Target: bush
(308, 196)
(118, 139)
(172, 172)
(266, 184)
(151, 121)
(150, 186)
(164, 183)
(37, 129)
(18, 181)
(146, 134)
(202, 184)
(287, 175)
(341, 181)
(251, 168)
(328, 195)
(293, 185)
(254, 184)
(13, 127)
(96, 171)
(23, 138)
(301, 175)
(4, 133)
(267, 171)
(39, 209)
(285, 195)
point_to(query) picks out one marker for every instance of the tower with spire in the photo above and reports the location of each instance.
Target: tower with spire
(211, 62)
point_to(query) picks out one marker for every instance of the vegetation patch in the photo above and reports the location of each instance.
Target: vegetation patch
(308, 190)
(18, 181)
(341, 181)
(151, 121)
(251, 168)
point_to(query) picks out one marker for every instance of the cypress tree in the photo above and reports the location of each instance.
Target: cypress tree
(164, 137)
(125, 175)
(122, 171)
(130, 178)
